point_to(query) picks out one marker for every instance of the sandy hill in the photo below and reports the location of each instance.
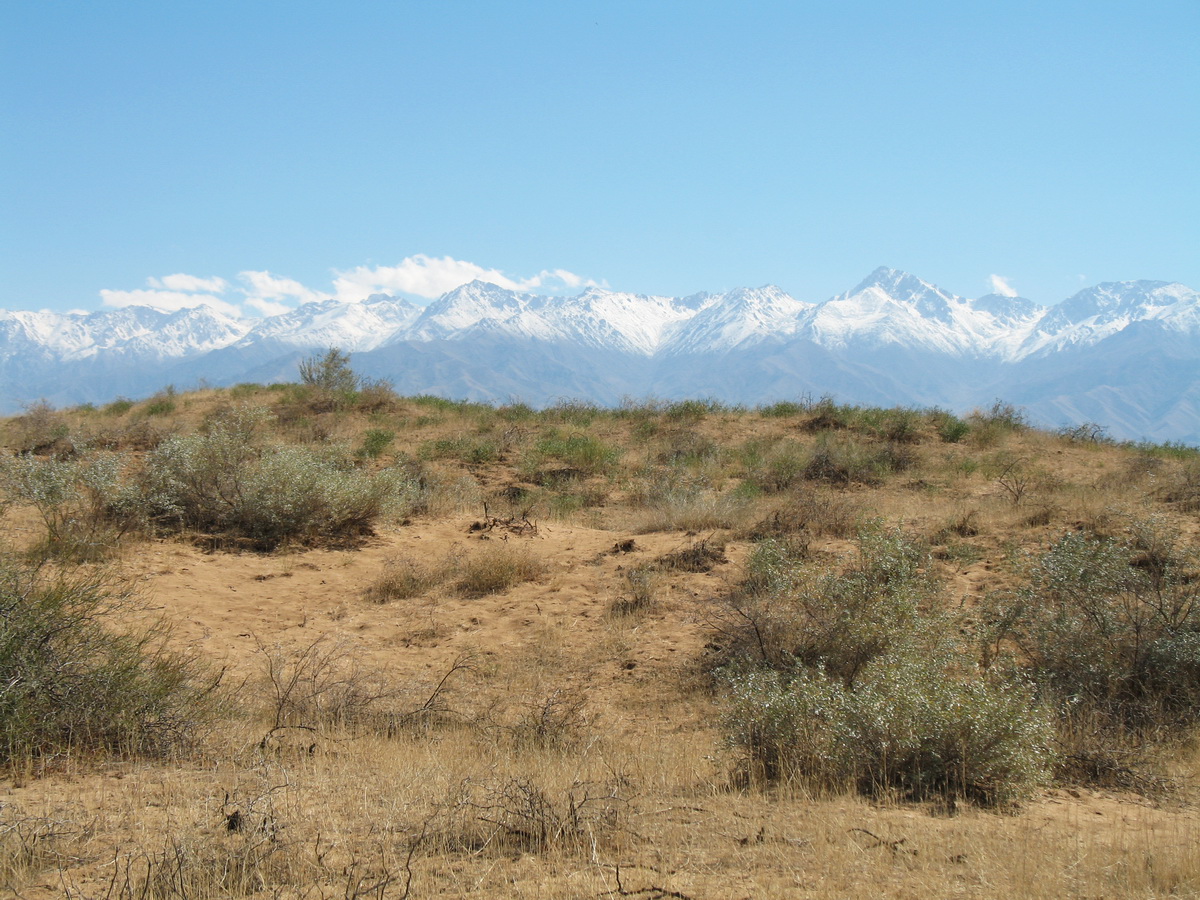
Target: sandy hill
(486, 650)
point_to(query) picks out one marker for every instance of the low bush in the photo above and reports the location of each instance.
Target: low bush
(912, 725)
(790, 613)
(898, 425)
(1109, 625)
(784, 409)
(640, 591)
(76, 680)
(375, 441)
(118, 407)
(691, 411)
(684, 447)
(950, 428)
(815, 510)
(42, 431)
(73, 497)
(230, 483)
(558, 457)
(827, 415)
(774, 467)
(161, 404)
(859, 679)
(492, 570)
(843, 459)
(402, 579)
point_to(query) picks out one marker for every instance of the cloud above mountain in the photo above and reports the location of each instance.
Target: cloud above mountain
(429, 276)
(263, 293)
(1001, 286)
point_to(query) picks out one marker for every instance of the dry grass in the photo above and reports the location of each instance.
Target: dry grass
(493, 820)
(532, 715)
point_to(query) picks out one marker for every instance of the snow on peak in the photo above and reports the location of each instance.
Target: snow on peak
(891, 307)
(738, 319)
(1101, 311)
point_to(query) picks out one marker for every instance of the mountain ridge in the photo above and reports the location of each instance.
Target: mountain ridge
(893, 338)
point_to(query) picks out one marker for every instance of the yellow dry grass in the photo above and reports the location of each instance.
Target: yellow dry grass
(572, 752)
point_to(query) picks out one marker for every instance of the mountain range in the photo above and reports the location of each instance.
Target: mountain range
(1122, 354)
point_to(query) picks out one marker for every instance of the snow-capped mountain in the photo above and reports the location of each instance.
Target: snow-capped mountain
(352, 327)
(1099, 312)
(1125, 353)
(894, 308)
(737, 320)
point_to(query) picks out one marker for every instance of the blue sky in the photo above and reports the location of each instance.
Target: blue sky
(262, 153)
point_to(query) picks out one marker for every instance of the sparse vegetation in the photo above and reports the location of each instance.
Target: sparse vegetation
(686, 648)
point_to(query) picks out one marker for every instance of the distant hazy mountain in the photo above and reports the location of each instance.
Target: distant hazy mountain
(1124, 354)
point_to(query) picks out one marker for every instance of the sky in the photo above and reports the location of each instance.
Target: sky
(255, 155)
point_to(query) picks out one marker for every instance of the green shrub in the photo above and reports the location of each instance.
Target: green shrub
(685, 447)
(561, 457)
(73, 497)
(846, 459)
(912, 725)
(952, 429)
(73, 681)
(858, 679)
(784, 409)
(229, 483)
(788, 613)
(775, 467)
(247, 388)
(1002, 415)
(898, 425)
(690, 411)
(329, 372)
(473, 450)
(162, 406)
(375, 441)
(517, 412)
(989, 427)
(580, 413)
(1109, 624)
(827, 415)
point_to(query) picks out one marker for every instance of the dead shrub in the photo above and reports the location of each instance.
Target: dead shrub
(702, 556)
(323, 686)
(819, 512)
(402, 579)
(522, 814)
(493, 570)
(558, 721)
(962, 524)
(641, 587)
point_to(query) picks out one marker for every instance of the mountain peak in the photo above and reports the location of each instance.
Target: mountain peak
(901, 286)
(883, 277)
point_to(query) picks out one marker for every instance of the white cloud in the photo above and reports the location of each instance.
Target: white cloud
(1001, 286)
(268, 307)
(263, 293)
(168, 301)
(429, 277)
(263, 286)
(189, 283)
